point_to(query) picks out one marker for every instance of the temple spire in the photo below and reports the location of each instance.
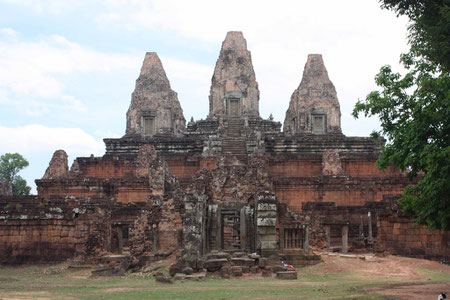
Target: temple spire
(234, 90)
(314, 106)
(154, 107)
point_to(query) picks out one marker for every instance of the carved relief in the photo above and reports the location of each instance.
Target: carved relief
(331, 163)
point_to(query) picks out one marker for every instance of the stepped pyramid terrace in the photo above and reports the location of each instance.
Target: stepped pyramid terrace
(233, 189)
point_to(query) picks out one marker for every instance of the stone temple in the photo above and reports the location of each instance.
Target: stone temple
(232, 185)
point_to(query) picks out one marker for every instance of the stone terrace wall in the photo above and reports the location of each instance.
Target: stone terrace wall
(342, 190)
(400, 236)
(35, 230)
(330, 214)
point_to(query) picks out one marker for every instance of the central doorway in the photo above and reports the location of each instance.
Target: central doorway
(234, 107)
(231, 230)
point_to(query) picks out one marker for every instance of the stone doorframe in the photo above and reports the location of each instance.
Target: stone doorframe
(234, 104)
(245, 213)
(344, 233)
(119, 236)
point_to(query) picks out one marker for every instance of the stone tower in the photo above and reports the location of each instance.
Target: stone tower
(234, 90)
(154, 107)
(314, 106)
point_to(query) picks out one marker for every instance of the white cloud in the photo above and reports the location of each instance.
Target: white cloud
(8, 32)
(32, 139)
(54, 7)
(37, 144)
(32, 72)
(72, 103)
(186, 70)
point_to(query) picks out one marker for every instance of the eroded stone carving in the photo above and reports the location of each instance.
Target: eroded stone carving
(331, 163)
(146, 156)
(58, 166)
(314, 106)
(234, 89)
(154, 107)
(156, 229)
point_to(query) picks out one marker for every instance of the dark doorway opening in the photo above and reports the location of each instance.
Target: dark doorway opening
(234, 107)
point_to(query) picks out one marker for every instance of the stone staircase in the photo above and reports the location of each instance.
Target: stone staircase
(233, 142)
(234, 127)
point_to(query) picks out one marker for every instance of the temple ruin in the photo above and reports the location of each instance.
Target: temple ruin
(232, 183)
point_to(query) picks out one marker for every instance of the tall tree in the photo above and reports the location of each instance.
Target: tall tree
(10, 166)
(414, 110)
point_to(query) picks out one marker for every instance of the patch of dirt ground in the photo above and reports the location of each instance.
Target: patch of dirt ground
(392, 268)
(413, 291)
(389, 267)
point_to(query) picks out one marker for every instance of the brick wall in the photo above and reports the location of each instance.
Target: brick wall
(400, 236)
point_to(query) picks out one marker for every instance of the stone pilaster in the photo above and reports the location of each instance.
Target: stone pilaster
(266, 220)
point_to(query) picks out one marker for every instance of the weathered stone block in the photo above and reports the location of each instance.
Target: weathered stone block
(163, 279)
(291, 275)
(187, 270)
(213, 265)
(174, 269)
(218, 255)
(266, 221)
(267, 207)
(196, 276)
(242, 261)
(268, 244)
(179, 276)
(236, 271)
(267, 230)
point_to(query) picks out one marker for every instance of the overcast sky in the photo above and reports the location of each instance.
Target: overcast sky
(68, 68)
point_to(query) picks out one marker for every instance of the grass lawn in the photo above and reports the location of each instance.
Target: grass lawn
(60, 282)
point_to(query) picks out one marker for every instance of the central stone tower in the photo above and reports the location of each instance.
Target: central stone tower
(234, 90)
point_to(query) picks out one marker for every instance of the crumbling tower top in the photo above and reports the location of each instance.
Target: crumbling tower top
(154, 107)
(234, 90)
(314, 106)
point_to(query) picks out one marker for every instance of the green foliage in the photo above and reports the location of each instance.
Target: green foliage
(414, 110)
(10, 166)
(19, 186)
(18, 207)
(429, 29)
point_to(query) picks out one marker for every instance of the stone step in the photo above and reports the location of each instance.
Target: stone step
(235, 153)
(235, 148)
(234, 127)
(234, 143)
